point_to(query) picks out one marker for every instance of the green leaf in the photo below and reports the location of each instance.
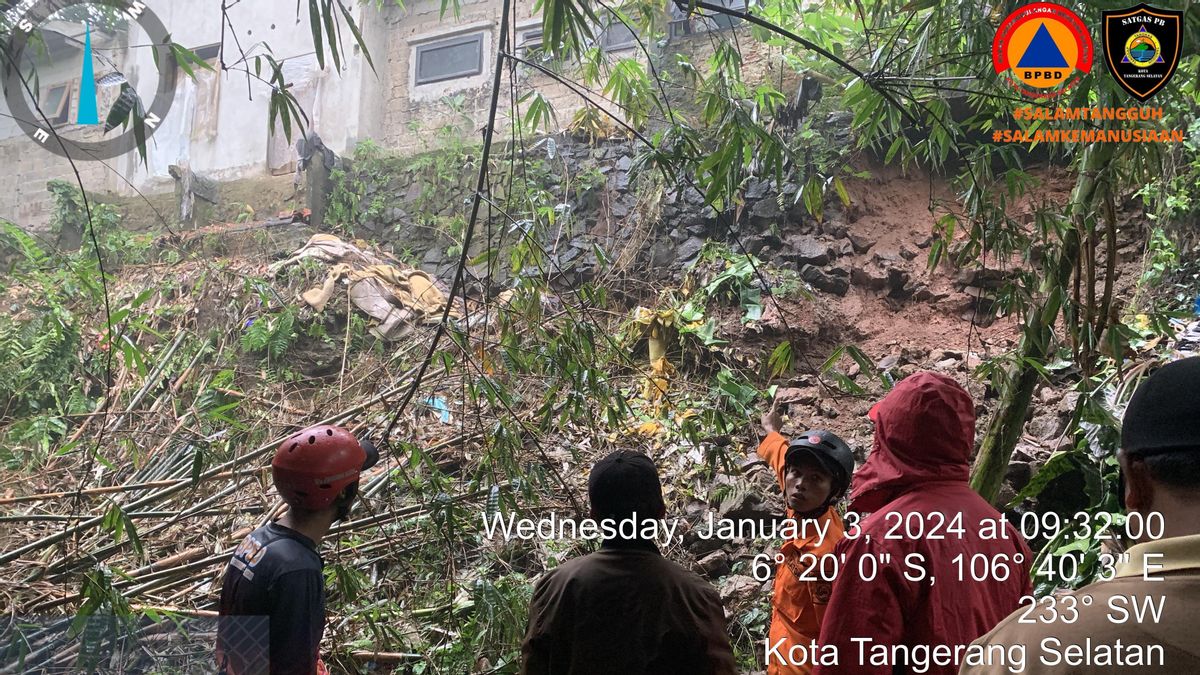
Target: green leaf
(780, 361)
(332, 35)
(1058, 464)
(813, 197)
(318, 39)
(841, 191)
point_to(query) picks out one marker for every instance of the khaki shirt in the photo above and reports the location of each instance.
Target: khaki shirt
(625, 610)
(1097, 629)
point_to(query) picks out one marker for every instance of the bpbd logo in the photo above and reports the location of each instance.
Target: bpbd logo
(1043, 49)
(126, 111)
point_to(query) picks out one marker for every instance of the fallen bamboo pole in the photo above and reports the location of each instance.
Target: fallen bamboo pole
(66, 533)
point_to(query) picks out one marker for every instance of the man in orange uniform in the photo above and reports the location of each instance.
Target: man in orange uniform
(814, 471)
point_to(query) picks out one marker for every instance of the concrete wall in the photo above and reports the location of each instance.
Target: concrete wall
(218, 123)
(416, 115)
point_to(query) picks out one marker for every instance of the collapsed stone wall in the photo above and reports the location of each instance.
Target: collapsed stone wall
(652, 231)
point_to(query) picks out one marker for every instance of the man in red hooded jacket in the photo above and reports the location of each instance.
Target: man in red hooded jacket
(946, 568)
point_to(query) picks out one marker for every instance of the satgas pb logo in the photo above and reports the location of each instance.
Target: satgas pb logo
(1142, 46)
(61, 36)
(1043, 49)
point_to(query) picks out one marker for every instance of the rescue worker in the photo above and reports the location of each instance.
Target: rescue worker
(814, 471)
(272, 610)
(1097, 626)
(625, 609)
(900, 603)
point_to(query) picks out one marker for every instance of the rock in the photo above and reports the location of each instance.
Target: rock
(1066, 406)
(796, 395)
(888, 362)
(757, 243)
(434, 256)
(835, 229)
(806, 249)
(843, 248)
(946, 364)
(951, 354)
(897, 284)
(624, 163)
(662, 255)
(689, 249)
(1045, 427)
(766, 209)
(739, 588)
(1018, 475)
(861, 242)
(747, 505)
(871, 277)
(1049, 395)
(621, 208)
(826, 282)
(907, 253)
(757, 189)
(1024, 452)
(981, 277)
(700, 546)
(715, 564)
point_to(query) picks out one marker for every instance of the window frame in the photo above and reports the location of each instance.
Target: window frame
(523, 41)
(476, 37)
(618, 25)
(63, 110)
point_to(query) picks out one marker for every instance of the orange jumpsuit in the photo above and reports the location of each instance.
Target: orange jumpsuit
(798, 606)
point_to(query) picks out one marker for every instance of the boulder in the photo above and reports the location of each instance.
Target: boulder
(861, 242)
(1045, 427)
(871, 277)
(826, 282)
(715, 564)
(806, 250)
(739, 588)
(766, 209)
(757, 188)
(897, 284)
(689, 249)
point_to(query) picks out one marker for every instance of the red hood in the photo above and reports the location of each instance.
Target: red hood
(924, 431)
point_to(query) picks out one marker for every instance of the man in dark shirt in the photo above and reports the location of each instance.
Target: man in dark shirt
(273, 594)
(625, 610)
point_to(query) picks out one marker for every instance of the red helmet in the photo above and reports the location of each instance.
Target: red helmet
(312, 467)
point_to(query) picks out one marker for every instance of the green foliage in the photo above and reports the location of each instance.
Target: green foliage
(1162, 258)
(117, 245)
(271, 333)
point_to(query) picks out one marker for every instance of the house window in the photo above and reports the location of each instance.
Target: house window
(528, 39)
(682, 24)
(56, 104)
(717, 21)
(617, 36)
(460, 56)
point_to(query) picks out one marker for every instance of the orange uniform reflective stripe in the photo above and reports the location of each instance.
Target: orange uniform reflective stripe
(798, 606)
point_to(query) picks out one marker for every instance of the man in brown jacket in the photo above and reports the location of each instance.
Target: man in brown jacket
(1141, 621)
(625, 610)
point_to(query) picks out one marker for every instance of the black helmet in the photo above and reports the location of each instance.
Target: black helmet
(831, 452)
